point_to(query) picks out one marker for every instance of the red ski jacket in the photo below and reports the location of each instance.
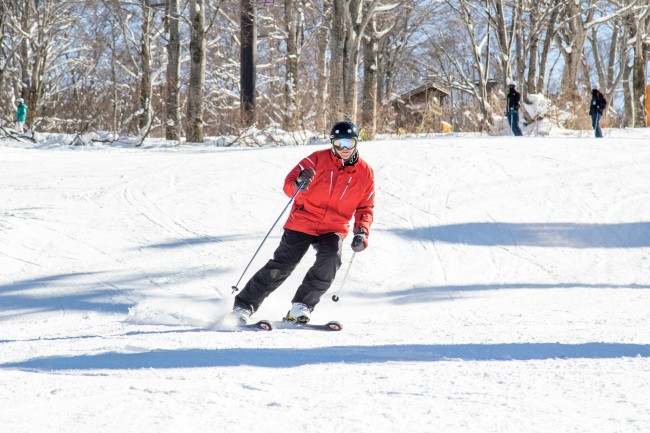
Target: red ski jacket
(336, 193)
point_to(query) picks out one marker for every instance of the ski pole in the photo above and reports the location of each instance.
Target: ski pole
(235, 288)
(335, 298)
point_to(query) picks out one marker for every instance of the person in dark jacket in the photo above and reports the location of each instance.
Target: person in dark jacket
(335, 185)
(512, 108)
(596, 109)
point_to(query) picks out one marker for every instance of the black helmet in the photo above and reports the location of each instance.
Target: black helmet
(344, 129)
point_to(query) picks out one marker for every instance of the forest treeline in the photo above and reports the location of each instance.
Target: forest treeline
(191, 68)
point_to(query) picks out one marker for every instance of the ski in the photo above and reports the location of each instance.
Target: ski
(262, 325)
(329, 326)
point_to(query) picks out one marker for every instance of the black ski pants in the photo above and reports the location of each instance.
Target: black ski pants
(286, 257)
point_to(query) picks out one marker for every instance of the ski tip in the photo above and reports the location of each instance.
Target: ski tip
(262, 325)
(334, 326)
(265, 325)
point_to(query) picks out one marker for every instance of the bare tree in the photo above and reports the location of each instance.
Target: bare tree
(375, 32)
(403, 50)
(349, 21)
(312, 55)
(370, 70)
(609, 52)
(291, 81)
(641, 37)
(479, 43)
(172, 22)
(197, 72)
(505, 32)
(549, 29)
(133, 56)
(248, 61)
(579, 18)
(323, 37)
(144, 119)
(41, 32)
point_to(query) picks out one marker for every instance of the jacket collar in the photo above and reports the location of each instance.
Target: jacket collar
(340, 163)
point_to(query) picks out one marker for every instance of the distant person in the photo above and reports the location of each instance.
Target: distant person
(332, 186)
(596, 108)
(21, 114)
(512, 110)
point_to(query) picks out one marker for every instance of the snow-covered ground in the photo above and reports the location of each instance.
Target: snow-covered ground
(506, 289)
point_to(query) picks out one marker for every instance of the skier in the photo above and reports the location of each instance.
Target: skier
(335, 185)
(512, 102)
(596, 108)
(21, 113)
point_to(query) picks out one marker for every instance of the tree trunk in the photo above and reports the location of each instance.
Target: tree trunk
(292, 108)
(369, 93)
(520, 49)
(248, 34)
(628, 95)
(197, 72)
(502, 37)
(611, 59)
(548, 39)
(144, 100)
(639, 70)
(114, 87)
(322, 108)
(533, 53)
(638, 84)
(173, 124)
(350, 80)
(348, 26)
(575, 35)
(337, 61)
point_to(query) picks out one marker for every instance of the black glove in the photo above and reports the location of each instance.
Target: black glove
(360, 240)
(304, 178)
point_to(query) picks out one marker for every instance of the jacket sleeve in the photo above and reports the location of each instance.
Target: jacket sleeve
(290, 180)
(364, 214)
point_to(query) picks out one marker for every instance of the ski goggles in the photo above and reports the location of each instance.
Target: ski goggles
(344, 143)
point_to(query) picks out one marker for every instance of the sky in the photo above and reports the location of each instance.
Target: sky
(506, 288)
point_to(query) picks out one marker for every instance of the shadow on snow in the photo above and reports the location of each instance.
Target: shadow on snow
(288, 357)
(85, 291)
(433, 293)
(189, 242)
(567, 235)
(61, 292)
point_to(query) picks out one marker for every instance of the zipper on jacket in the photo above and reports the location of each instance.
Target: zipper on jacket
(331, 180)
(346, 188)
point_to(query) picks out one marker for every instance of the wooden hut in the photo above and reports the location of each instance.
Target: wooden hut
(422, 109)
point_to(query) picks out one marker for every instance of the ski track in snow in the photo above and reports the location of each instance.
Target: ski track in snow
(506, 289)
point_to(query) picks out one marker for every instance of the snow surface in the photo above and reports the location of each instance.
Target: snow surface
(506, 289)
